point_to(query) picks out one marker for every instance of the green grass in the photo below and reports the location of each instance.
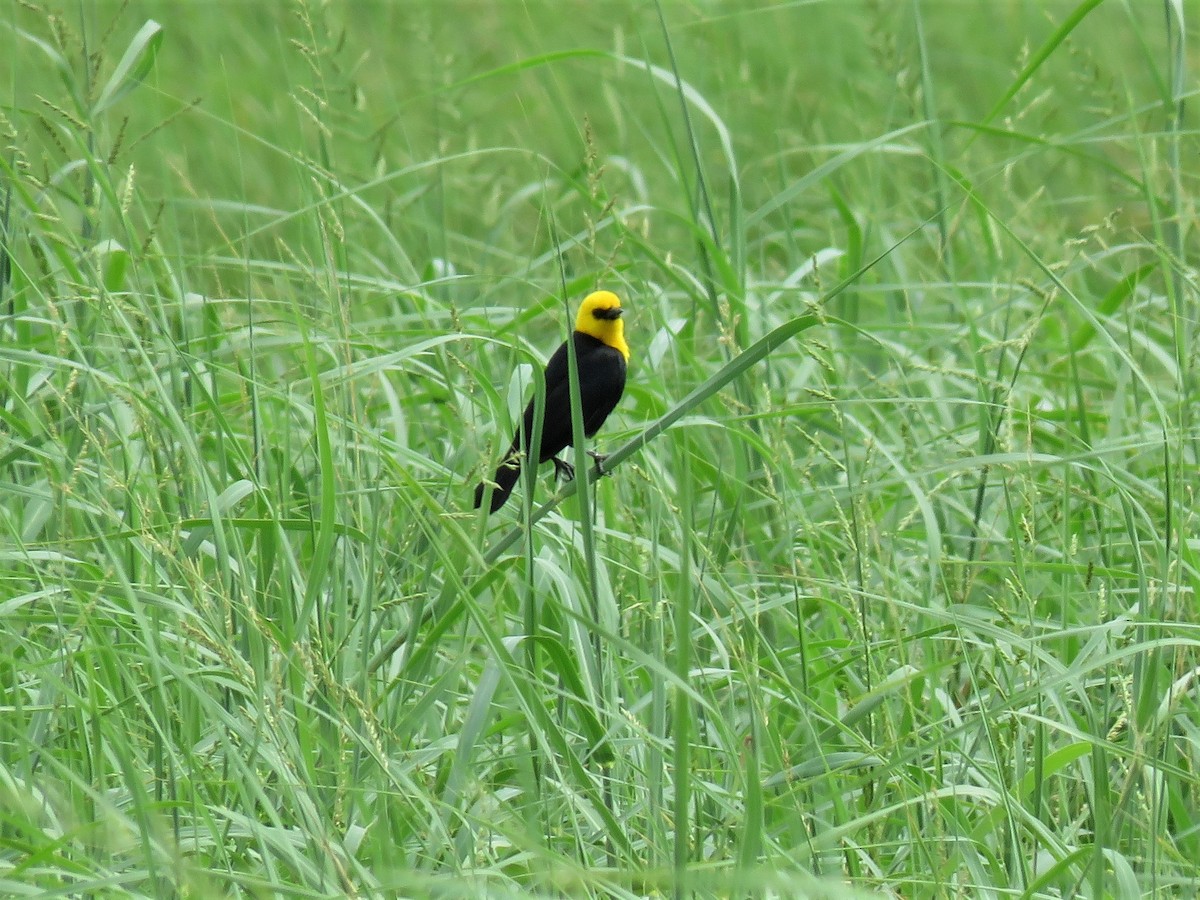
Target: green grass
(893, 586)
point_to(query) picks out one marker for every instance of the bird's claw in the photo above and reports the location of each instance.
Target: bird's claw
(599, 458)
(563, 469)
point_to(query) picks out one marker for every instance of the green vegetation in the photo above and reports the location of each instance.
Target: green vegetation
(893, 586)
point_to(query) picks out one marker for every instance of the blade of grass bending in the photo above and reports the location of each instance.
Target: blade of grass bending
(1041, 55)
(135, 65)
(817, 174)
(731, 370)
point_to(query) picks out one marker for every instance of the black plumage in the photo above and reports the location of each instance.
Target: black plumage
(601, 383)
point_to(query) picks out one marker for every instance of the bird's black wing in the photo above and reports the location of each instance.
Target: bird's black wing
(601, 383)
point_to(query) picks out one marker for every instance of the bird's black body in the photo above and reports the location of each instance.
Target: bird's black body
(601, 383)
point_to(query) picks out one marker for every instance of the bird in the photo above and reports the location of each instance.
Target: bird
(601, 356)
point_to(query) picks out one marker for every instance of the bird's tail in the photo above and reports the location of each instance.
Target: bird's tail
(505, 479)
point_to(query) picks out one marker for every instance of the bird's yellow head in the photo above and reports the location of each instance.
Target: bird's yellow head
(600, 316)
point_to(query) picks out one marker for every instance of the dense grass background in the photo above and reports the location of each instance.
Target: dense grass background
(904, 599)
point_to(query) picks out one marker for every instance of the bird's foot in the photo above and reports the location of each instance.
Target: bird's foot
(563, 469)
(599, 458)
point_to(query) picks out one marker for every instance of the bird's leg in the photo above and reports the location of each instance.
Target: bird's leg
(563, 469)
(566, 471)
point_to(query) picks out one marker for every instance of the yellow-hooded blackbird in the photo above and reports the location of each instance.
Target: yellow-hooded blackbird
(601, 354)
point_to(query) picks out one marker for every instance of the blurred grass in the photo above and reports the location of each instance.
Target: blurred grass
(902, 603)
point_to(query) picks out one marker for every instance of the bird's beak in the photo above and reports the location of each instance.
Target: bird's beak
(611, 312)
